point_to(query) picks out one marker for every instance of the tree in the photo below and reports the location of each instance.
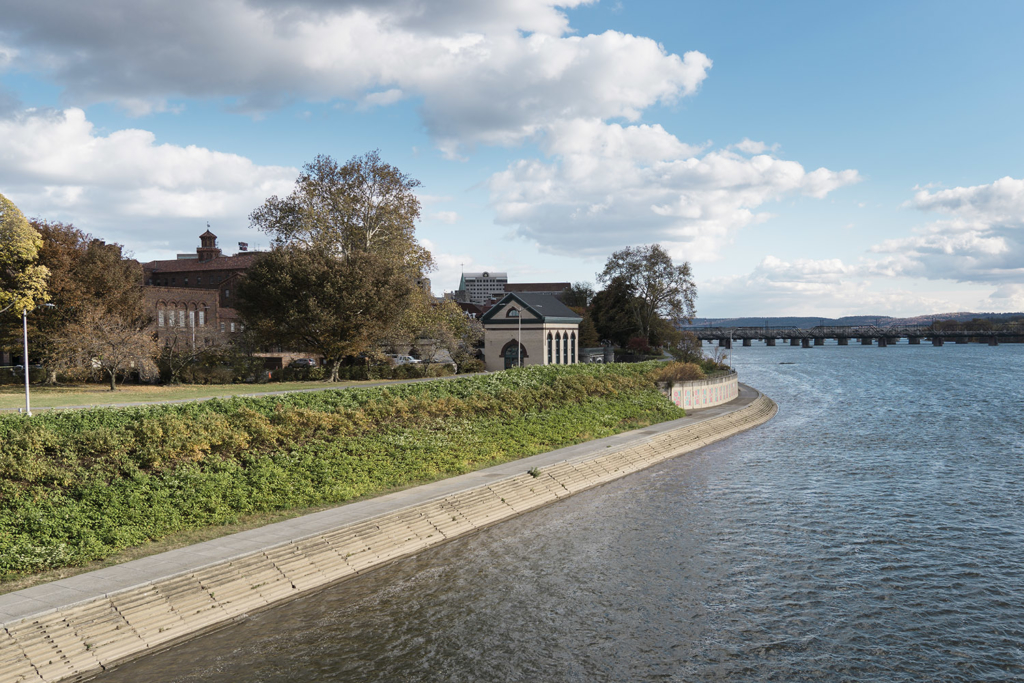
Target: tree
(442, 325)
(365, 205)
(610, 311)
(579, 295)
(111, 342)
(22, 278)
(309, 299)
(342, 272)
(655, 286)
(89, 280)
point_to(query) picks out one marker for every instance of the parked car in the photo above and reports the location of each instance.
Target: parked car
(303, 363)
(397, 359)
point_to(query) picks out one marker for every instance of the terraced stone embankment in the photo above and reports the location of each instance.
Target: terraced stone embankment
(74, 628)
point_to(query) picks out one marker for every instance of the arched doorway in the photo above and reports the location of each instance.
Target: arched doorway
(510, 353)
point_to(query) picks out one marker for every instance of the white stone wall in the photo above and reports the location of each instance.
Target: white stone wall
(705, 393)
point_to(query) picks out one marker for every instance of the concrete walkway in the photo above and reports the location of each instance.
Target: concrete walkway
(199, 399)
(91, 621)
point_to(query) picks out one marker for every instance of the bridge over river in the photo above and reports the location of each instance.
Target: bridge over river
(861, 334)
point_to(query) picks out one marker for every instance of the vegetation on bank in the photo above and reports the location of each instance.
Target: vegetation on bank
(81, 485)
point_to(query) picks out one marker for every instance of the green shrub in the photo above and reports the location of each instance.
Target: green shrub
(680, 372)
(76, 486)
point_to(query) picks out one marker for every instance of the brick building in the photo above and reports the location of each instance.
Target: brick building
(195, 292)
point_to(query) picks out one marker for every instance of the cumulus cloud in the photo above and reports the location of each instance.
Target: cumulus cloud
(56, 166)
(491, 72)
(607, 184)
(827, 287)
(980, 240)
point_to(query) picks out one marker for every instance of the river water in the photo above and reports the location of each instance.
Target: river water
(873, 531)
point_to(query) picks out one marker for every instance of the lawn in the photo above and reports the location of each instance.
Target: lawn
(12, 397)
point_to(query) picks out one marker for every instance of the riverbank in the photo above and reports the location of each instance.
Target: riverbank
(80, 486)
(90, 622)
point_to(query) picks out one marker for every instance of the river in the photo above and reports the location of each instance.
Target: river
(873, 531)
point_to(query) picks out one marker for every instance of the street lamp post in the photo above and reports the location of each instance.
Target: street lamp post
(24, 341)
(519, 338)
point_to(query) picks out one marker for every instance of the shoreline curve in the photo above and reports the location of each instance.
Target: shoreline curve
(78, 627)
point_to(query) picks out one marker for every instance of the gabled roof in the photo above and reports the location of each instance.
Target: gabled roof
(545, 307)
(208, 234)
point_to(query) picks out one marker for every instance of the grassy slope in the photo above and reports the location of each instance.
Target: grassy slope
(80, 486)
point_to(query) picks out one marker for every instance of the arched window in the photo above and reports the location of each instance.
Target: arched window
(572, 348)
(565, 348)
(160, 317)
(558, 349)
(549, 348)
(512, 313)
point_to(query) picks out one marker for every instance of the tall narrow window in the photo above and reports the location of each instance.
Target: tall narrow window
(191, 318)
(181, 318)
(160, 318)
(227, 293)
(572, 348)
(558, 350)
(222, 327)
(549, 348)
(565, 348)
(232, 327)
(202, 318)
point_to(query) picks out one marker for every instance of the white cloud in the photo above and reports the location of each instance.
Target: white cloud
(982, 240)
(748, 146)
(607, 185)
(56, 166)
(492, 73)
(831, 288)
(446, 217)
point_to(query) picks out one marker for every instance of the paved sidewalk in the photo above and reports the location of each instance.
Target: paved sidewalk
(141, 404)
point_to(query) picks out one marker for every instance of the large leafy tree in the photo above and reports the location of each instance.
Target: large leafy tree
(310, 299)
(364, 205)
(653, 286)
(342, 273)
(22, 277)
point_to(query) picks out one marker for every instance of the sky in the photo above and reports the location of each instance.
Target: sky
(806, 158)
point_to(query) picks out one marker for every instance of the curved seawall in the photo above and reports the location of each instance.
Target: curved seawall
(705, 393)
(79, 626)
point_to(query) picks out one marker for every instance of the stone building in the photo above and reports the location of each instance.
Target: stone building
(194, 293)
(530, 329)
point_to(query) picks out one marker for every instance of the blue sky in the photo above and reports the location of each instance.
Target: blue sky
(806, 157)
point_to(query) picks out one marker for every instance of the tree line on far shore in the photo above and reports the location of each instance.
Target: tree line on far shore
(340, 282)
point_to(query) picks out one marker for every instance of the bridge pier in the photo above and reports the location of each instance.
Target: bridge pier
(937, 341)
(865, 341)
(843, 341)
(819, 341)
(993, 341)
(725, 343)
(746, 342)
(769, 341)
(794, 341)
(882, 342)
(805, 342)
(913, 340)
(962, 340)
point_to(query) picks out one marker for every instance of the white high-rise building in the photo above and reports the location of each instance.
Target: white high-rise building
(480, 288)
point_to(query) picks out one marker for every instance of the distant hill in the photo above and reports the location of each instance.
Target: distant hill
(880, 320)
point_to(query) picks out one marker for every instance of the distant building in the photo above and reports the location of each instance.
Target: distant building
(551, 288)
(530, 329)
(195, 291)
(480, 288)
